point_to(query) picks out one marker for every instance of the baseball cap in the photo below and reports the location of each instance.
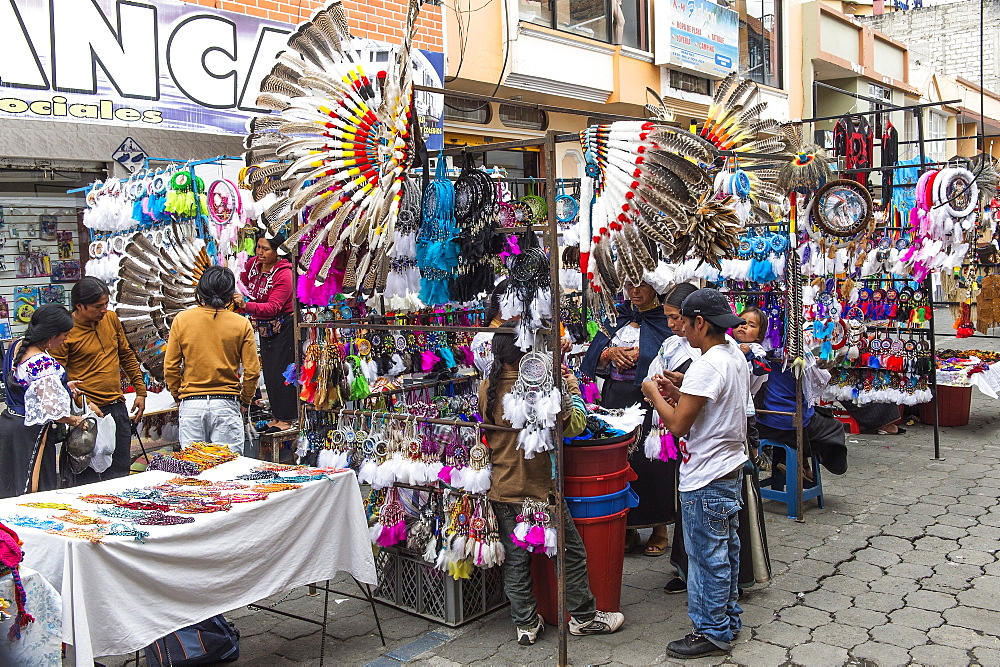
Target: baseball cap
(711, 305)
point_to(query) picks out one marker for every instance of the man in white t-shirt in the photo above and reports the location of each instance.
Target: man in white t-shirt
(711, 409)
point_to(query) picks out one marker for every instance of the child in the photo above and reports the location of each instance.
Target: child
(515, 478)
(750, 335)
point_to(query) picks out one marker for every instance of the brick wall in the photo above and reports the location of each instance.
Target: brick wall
(376, 19)
(947, 37)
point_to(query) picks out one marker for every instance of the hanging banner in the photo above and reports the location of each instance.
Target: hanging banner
(699, 36)
(164, 65)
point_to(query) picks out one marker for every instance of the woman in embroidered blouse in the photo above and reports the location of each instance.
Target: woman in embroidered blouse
(268, 302)
(37, 395)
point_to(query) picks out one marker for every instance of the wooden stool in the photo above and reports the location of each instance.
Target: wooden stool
(271, 444)
(783, 489)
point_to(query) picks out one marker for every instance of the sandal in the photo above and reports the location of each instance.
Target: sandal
(899, 431)
(656, 545)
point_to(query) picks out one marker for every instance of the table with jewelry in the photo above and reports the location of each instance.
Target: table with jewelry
(131, 572)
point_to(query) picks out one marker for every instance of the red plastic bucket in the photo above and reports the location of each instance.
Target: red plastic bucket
(591, 460)
(604, 538)
(598, 485)
(953, 410)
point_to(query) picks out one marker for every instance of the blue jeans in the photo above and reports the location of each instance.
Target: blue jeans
(713, 547)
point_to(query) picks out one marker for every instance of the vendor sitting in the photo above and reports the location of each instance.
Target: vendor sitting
(514, 479)
(822, 434)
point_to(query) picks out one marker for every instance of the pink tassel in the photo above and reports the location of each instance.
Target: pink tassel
(591, 394)
(668, 448)
(428, 360)
(536, 536)
(519, 542)
(445, 474)
(392, 534)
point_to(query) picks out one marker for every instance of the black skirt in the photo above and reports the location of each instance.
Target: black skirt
(276, 354)
(656, 485)
(17, 449)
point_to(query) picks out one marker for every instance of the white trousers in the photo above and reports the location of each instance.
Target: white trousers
(213, 420)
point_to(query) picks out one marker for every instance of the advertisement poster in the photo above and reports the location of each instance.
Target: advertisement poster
(162, 65)
(698, 36)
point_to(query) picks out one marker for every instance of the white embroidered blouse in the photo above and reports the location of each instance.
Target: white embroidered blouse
(45, 397)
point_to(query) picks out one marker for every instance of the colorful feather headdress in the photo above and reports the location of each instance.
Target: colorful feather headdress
(337, 149)
(653, 181)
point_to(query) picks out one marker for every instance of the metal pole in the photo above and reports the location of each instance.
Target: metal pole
(552, 236)
(929, 287)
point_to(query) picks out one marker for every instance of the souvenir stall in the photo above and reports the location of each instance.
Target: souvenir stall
(875, 263)
(151, 235)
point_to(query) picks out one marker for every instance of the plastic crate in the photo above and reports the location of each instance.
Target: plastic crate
(409, 583)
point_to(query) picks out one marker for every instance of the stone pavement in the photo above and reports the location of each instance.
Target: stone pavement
(900, 568)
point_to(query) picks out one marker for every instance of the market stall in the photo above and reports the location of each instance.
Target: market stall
(133, 560)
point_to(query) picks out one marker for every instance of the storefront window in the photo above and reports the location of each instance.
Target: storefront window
(692, 84)
(594, 19)
(935, 135)
(760, 45)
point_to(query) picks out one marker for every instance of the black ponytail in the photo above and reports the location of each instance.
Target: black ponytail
(216, 287)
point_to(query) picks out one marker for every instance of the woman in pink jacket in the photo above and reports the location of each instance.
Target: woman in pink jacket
(268, 278)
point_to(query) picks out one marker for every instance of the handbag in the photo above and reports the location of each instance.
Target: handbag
(212, 640)
(79, 443)
(269, 328)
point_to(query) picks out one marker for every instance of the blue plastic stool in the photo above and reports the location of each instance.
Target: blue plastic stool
(783, 489)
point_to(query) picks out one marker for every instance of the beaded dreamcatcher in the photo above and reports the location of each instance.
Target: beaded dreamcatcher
(483, 543)
(533, 403)
(390, 529)
(452, 558)
(437, 241)
(529, 291)
(534, 531)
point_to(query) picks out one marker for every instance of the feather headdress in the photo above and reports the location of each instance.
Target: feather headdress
(338, 151)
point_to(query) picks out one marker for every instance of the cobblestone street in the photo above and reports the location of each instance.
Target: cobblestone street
(900, 567)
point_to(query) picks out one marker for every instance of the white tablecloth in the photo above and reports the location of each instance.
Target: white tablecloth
(120, 595)
(40, 644)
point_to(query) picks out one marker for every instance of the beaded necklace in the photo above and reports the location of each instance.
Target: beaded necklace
(47, 506)
(121, 513)
(101, 499)
(79, 518)
(129, 531)
(275, 487)
(33, 522)
(80, 533)
(160, 519)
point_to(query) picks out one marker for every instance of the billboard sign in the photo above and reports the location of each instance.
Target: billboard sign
(164, 64)
(698, 36)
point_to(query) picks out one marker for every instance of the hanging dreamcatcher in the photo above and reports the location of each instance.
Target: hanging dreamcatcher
(337, 148)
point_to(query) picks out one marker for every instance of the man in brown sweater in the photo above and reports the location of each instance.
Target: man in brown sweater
(206, 348)
(96, 353)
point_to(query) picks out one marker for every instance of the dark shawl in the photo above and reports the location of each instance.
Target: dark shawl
(653, 330)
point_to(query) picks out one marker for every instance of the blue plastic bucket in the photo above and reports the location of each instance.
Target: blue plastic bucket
(598, 506)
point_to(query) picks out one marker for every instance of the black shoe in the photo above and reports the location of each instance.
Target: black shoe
(693, 646)
(676, 585)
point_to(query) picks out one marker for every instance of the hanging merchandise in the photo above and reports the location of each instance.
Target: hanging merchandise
(854, 140)
(945, 212)
(533, 404)
(437, 241)
(842, 208)
(653, 181)
(475, 210)
(338, 147)
(534, 531)
(890, 155)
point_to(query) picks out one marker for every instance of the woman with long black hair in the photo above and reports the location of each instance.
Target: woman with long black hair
(37, 395)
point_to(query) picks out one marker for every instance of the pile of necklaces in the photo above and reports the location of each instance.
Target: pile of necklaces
(192, 460)
(167, 504)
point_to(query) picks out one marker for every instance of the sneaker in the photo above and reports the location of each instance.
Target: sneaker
(693, 646)
(603, 623)
(676, 585)
(527, 636)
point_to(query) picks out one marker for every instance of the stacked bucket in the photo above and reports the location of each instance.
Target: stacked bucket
(597, 490)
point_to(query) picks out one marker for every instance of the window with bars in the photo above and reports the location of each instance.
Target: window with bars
(467, 111)
(525, 118)
(690, 83)
(935, 135)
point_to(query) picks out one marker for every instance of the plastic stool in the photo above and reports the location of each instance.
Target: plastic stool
(847, 420)
(783, 490)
